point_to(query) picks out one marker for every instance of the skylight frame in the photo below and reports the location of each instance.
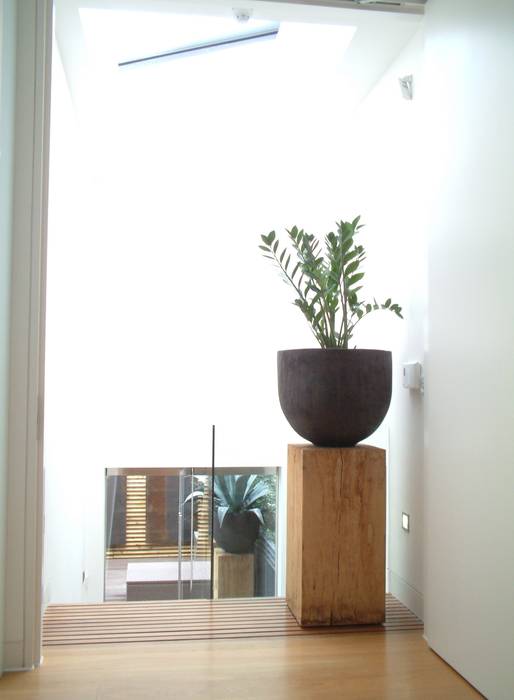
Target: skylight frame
(223, 42)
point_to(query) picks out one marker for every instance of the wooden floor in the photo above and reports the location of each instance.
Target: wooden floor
(186, 620)
(374, 666)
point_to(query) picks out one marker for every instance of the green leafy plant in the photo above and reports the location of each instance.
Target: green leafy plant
(326, 280)
(268, 506)
(236, 494)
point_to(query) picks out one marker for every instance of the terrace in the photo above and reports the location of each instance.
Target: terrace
(159, 540)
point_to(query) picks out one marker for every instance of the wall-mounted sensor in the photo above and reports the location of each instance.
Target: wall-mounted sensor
(407, 87)
(413, 376)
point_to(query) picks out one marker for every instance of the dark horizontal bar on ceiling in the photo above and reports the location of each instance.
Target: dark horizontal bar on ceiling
(202, 47)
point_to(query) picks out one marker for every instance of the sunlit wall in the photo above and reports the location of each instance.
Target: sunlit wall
(163, 318)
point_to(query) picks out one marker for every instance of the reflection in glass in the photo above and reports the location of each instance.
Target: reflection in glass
(159, 544)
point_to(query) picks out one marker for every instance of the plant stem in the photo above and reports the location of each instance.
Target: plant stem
(345, 316)
(316, 333)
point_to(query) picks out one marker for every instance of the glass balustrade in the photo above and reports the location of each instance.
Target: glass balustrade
(178, 534)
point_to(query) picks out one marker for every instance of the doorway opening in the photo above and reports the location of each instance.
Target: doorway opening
(177, 140)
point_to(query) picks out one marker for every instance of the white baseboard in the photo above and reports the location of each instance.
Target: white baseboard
(13, 656)
(406, 594)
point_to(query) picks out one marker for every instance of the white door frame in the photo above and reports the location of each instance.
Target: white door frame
(24, 550)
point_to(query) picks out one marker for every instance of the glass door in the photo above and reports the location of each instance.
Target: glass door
(158, 534)
(195, 542)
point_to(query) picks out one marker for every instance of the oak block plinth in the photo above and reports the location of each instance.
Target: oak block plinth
(336, 513)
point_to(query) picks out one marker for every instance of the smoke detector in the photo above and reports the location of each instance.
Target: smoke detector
(242, 15)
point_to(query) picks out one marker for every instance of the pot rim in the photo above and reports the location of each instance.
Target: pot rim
(336, 350)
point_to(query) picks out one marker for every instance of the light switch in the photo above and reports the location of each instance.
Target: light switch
(406, 521)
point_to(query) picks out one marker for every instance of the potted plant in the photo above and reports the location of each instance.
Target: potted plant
(237, 517)
(332, 396)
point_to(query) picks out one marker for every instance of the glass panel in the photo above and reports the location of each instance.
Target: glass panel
(195, 560)
(158, 533)
(245, 528)
(158, 541)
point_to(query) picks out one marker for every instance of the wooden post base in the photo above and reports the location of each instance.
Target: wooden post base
(233, 575)
(336, 511)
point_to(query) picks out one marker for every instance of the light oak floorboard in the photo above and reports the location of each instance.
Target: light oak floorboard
(372, 666)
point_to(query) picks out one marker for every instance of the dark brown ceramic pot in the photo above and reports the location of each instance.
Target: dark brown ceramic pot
(238, 533)
(334, 398)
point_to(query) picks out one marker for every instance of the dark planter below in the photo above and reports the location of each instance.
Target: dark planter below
(238, 533)
(334, 398)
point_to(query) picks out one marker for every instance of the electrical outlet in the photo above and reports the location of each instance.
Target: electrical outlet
(406, 522)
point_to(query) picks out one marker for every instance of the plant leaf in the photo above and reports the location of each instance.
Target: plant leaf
(222, 511)
(258, 513)
(194, 494)
(354, 279)
(351, 267)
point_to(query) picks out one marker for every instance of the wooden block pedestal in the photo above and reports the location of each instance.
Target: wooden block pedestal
(336, 512)
(233, 574)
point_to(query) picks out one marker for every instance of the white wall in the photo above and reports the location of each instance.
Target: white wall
(136, 369)
(64, 460)
(469, 541)
(7, 76)
(386, 187)
(153, 333)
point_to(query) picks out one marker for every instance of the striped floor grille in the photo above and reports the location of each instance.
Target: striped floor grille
(108, 623)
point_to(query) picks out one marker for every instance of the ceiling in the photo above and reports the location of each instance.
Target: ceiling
(377, 40)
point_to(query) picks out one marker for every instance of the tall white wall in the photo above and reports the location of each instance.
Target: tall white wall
(386, 187)
(469, 541)
(136, 370)
(7, 77)
(65, 464)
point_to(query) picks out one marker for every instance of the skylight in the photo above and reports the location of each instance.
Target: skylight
(140, 36)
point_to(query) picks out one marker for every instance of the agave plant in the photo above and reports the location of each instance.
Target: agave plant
(326, 281)
(236, 494)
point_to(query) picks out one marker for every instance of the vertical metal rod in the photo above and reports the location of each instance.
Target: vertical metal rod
(213, 466)
(180, 501)
(108, 529)
(191, 535)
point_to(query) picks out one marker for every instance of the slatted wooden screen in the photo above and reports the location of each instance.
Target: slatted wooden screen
(147, 521)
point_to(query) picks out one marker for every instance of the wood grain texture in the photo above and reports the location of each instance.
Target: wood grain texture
(156, 531)
(151, 519)
(373, 666)
(336, 535)
(233, 575)
(194, 619)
